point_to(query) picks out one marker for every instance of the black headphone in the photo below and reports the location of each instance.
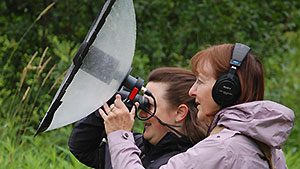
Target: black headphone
(227, 88)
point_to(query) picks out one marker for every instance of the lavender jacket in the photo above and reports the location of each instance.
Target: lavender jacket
(231, 148)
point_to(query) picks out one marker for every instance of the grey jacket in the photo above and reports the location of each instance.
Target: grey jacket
(231, 148)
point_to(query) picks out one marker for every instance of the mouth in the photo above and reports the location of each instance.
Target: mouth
(198, 105)
(146, 125)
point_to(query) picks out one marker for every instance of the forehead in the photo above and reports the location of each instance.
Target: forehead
(158, 89)
(204, 69)
(201, 63)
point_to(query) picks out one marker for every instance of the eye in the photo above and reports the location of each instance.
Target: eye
(151, 104)
(198, 81)
(150, 101)
(151, 107)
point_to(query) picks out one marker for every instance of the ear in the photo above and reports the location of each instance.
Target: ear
(182, 112)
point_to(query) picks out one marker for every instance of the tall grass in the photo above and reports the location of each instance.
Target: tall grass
(25, 33)
(23, 105)
(28, 152)
(20, 113)
(22, 108)
(27, 104)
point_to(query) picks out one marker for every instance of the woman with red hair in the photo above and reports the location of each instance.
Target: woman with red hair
(244, 130)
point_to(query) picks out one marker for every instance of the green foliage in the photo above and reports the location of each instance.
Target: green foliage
(283, 83)
(293, 159)
(27, 152)
(168, 28)
(39, 39)
(21, 109)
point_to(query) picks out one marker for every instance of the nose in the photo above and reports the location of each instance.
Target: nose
(192, 91)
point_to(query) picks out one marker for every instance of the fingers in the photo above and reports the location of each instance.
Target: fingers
(103, 114)
(133, 110)
(117, 116)
(116, 108)
(119, 103)
(137, 104)
(106, 108)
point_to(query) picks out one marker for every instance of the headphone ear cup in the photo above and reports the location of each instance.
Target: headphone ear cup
(226, 90)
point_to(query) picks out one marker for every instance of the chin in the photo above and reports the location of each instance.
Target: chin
(145, 135)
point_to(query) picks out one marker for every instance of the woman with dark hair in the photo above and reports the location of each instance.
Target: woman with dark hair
(244, 131)
(172, 130)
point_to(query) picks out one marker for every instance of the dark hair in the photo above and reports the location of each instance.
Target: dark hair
(250, 73)
(179, 81)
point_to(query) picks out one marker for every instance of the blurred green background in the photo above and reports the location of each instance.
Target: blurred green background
(38, 40)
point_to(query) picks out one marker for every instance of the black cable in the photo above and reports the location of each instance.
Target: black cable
(170, 126)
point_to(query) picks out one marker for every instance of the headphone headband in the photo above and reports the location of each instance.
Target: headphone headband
(227, 88)
(239, 53)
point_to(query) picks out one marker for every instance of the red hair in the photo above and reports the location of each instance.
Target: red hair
(250, 73)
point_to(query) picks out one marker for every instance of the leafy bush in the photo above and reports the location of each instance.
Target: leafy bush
(283, 84)
(37, 46)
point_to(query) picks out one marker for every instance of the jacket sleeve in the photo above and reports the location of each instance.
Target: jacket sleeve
(125, 154)
(279, 159)
(85, 139)
(123, 150)
(217, 151)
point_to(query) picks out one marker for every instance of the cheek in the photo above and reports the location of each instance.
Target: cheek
(161, 115)
(163, 112)
(156, 128)
(207, 105)
(203, 92)
(154, 123)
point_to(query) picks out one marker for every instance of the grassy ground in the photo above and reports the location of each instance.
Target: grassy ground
(24, 151)
(49, 150)
(21, 107)
(19, 149)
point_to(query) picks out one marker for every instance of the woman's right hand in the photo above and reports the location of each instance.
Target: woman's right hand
(117, 116)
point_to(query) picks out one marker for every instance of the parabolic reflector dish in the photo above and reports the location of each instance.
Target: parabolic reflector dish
(99, 67)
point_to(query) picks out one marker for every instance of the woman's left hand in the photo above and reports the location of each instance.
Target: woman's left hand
(117, 116)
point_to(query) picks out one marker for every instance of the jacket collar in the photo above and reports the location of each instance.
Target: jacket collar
(169, 143)
(265, 121)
